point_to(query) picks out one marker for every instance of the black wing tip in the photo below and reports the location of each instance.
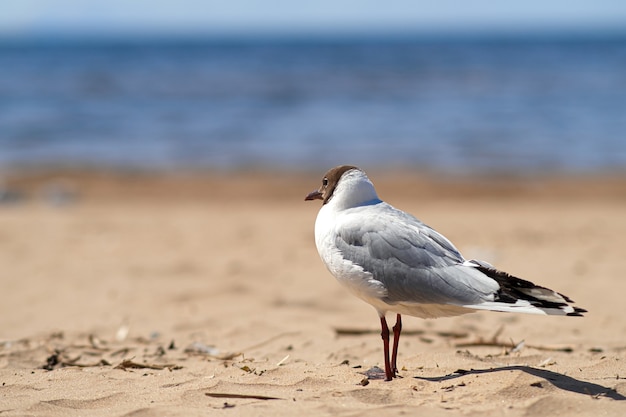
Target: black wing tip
(578, 312)
(513, 288)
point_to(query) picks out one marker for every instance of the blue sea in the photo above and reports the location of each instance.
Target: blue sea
(456, 105)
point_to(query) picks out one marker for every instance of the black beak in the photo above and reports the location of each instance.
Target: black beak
(314, 195)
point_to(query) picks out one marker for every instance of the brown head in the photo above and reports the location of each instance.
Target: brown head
(329, 183)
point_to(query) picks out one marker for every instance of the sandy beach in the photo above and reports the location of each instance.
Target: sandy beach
(203, 294)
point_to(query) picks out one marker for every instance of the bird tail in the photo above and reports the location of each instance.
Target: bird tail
(518, 295)
(524, 306)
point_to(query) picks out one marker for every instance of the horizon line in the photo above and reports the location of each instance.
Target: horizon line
(460, 34)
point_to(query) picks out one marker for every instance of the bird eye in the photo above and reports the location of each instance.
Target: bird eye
(325, 182)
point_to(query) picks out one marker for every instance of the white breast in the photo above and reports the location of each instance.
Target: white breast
(352, 276)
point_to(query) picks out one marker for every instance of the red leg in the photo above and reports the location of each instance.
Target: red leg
(396, 339)
(385, 335)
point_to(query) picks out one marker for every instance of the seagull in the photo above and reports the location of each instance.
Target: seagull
(397, 264)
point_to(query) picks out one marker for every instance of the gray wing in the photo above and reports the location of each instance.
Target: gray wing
(413, 261)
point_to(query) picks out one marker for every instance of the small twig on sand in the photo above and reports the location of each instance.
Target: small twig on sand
(128, 364)
(101, 362)
(512, 345)
(351, 331)
(241, 396)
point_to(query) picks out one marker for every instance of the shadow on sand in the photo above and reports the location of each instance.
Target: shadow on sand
(560, 381)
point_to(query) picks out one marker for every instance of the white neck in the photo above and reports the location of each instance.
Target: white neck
(353, 190)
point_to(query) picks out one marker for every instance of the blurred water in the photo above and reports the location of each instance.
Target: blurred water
(450, 105)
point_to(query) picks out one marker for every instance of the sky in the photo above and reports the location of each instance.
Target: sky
(26, 18)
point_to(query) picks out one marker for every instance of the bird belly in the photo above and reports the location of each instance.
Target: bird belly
(429, 311)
